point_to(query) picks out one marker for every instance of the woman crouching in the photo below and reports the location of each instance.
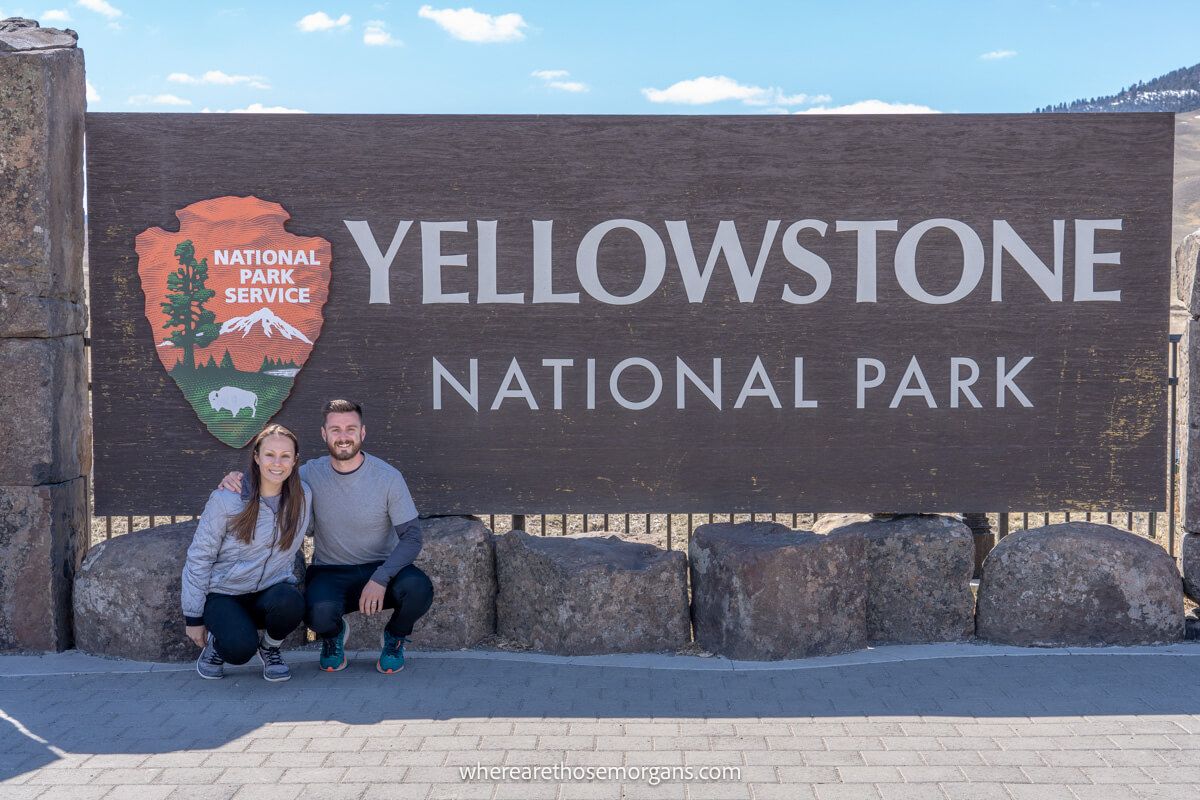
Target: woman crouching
(239, 576)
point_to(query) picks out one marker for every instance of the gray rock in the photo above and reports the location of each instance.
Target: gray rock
(41, 174)
(831, 522)
(45, 426)
(1079, 584)
(1185, 272)
(18, 34)
(761, 590)
(127, 596)
(30, 317)
(1188, 427)
(43, 536)
(591, 593)
(458, 555)
(1191, 566)
(918, 577)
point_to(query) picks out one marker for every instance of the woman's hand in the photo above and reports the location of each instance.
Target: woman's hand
(198, 634)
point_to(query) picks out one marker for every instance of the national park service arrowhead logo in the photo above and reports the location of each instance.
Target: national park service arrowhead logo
(235, 304)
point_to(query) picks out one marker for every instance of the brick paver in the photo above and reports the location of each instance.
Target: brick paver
(1059, 727)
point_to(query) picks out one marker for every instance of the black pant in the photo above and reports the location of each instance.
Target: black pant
(235, 619)
(332, 591)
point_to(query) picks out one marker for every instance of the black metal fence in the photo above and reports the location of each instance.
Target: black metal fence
(674, 530)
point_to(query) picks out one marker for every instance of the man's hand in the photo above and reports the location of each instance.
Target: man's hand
(371, 600)
(232, 482)
(197, 633)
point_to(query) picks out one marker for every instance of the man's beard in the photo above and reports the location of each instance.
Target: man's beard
(339, 455)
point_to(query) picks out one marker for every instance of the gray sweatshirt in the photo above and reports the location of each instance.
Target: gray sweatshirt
(361, 517)
(218, 563)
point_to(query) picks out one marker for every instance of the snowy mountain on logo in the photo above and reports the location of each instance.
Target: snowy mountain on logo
(268, 320)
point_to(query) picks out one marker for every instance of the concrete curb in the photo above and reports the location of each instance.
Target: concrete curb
(72, 662)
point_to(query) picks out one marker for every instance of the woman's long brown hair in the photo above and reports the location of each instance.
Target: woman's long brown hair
(291, 497)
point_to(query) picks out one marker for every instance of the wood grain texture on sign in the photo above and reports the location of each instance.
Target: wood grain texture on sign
(1095, 437)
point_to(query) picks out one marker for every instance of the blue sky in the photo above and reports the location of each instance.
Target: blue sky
(616, 57)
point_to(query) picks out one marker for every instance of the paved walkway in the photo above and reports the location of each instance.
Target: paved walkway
(935, 724)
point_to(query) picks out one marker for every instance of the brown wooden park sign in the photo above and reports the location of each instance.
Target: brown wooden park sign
(612, 314)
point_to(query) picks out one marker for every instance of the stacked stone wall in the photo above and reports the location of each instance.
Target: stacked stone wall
(45, 426)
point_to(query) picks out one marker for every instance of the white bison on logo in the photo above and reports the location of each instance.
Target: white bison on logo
(233, 400)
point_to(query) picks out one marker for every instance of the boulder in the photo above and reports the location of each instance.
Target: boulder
(458, 555)
(590, 593)
(43, 536)
(1191, 566)
(1185, 272)
(1079, 584)
(918, 577)
(831, 522)
(127, 596)
(21, 35)
(761, 590)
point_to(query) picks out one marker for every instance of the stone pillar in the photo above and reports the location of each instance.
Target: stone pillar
(1187, 429)
(45, 425)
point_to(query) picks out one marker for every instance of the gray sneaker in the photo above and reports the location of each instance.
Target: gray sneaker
(209, 664)
(274, 668)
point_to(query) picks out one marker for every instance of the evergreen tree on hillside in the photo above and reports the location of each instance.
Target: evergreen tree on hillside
(1177, 91)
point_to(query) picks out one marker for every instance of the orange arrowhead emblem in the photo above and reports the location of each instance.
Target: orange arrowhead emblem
(235, 303)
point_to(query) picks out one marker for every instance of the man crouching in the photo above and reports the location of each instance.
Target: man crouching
(366, 538)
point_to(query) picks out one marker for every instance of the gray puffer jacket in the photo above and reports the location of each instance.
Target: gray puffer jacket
(217, 562)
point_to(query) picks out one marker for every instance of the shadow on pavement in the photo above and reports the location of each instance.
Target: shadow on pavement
(46, 719)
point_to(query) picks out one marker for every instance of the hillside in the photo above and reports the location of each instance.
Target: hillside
(1177, 92)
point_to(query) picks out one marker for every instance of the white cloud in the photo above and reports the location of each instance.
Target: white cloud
(376, 35)
(216, 77)
(553, 79)
(158, 100)
(719, 88)
(55, 15)
(93, 96)
(470, 25)
(254, 108)
(872, 107)
(996, 55)
(320, 21)
(100, 7)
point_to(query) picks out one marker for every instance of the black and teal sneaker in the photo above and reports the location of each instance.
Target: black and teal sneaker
(333, 650)
(391, 657)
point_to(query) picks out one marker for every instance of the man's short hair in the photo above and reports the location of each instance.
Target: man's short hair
(341, 407)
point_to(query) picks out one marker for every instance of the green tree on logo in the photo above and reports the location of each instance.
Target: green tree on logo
(187, 294)
(226, 361)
